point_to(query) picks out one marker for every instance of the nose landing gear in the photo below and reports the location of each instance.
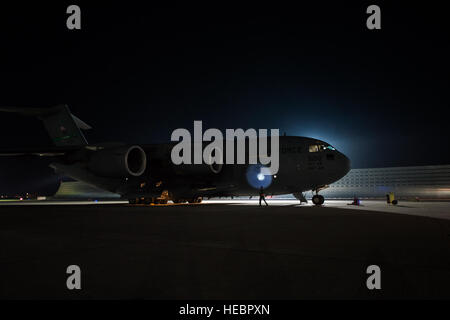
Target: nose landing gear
(300, 196)
(318, 200)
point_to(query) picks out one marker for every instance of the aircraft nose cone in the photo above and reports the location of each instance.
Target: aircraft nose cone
(342, 165)
(345, 164)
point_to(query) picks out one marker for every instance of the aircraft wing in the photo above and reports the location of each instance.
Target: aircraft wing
(40, 152)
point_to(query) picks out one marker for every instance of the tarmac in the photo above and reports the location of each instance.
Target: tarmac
(224, 250)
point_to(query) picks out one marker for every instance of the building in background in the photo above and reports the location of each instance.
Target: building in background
(424, 182)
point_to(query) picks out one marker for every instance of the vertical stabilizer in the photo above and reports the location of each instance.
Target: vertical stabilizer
(63, 128)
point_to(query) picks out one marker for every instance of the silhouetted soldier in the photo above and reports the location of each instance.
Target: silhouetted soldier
(262, 196)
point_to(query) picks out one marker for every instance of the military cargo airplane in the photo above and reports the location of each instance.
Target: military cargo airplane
(146, 174)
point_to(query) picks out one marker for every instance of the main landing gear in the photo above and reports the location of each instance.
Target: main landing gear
(191, 200)
(148, 201)
(164, 199)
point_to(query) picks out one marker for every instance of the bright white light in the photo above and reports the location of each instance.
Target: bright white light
(260, 177)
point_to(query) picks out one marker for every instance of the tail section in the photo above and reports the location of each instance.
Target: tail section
(62, 126)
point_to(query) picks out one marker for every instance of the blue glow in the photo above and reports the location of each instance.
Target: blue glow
(257, 176)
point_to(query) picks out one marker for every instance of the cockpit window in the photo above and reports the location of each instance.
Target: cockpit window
(320, 147)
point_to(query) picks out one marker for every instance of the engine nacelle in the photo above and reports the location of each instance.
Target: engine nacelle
(118, 162)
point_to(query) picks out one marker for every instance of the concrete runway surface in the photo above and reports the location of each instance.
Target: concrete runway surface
(224, 250)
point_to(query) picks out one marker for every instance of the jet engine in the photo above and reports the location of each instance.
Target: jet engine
(118, 162)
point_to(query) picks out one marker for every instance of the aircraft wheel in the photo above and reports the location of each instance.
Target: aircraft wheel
(322, 199)
(148, 201)
(132, 201)
(318, 200)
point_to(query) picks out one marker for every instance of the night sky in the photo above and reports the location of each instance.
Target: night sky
(135, 73)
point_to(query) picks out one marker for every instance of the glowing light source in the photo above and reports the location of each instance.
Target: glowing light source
(259, 176)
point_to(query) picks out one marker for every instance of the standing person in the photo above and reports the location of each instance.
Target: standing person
(262, 196)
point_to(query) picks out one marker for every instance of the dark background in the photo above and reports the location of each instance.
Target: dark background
(136, 72)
